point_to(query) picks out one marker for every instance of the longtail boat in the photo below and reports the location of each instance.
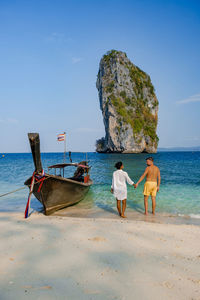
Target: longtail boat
(55, 191)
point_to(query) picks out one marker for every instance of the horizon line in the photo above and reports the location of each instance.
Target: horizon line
(159, 150)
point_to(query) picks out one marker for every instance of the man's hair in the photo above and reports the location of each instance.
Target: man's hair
(149, 158)
(118, 165)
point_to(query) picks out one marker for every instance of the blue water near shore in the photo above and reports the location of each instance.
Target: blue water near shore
(179, 192)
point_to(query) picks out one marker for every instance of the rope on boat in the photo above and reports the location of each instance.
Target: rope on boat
(35, 179)
(22, 188)
(26, 213)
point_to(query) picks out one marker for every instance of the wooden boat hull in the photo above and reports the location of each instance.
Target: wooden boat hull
(59, 192)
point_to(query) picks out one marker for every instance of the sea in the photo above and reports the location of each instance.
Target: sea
(179, 193)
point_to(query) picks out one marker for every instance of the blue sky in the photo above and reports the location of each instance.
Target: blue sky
(50, 53)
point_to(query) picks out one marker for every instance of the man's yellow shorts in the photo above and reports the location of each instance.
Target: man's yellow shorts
(150, 188)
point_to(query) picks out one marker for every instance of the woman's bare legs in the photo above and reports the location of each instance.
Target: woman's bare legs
(123, 208)
(119, 207)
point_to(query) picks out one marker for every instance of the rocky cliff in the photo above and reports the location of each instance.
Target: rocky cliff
(129, 106)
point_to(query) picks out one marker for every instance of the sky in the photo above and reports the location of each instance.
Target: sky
(49, 59)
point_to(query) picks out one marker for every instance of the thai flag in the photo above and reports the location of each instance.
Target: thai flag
(61, 137)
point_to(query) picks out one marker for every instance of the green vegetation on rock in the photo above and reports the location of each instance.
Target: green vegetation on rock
(112, 54)
(123, 94)
(109, 87)
(139, 116)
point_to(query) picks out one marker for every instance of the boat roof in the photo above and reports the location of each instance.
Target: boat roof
(59, 166)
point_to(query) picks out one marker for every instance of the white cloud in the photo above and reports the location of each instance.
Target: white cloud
(194, 98)
(76, 60)
(9, 121)
(193, 139)
(13, 121)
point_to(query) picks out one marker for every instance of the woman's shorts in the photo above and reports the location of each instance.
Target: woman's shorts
(150, 188)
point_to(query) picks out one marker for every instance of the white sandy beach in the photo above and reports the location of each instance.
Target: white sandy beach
(75, 258)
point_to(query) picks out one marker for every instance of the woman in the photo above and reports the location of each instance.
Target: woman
(119, 188)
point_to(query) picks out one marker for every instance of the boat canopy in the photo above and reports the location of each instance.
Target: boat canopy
(62, 166)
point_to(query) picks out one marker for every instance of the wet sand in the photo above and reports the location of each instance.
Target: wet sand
(135, 215)
(55, 257)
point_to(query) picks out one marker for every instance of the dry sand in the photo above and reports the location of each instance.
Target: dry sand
(94, 258)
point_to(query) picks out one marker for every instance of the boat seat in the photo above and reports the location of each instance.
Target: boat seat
(79, 179)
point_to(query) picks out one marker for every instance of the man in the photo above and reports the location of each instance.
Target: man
(152, 184)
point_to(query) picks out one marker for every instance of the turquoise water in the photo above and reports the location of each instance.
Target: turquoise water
(179, 192)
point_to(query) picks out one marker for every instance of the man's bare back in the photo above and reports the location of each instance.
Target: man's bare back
(152, 173)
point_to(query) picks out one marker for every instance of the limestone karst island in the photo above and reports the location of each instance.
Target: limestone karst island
(129, 106)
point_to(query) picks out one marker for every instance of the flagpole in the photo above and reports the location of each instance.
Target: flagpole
(64, 147)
